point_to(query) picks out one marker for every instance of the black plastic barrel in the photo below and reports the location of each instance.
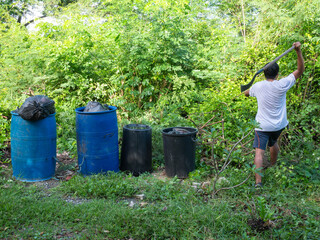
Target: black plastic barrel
(179, 151)
(136, 150)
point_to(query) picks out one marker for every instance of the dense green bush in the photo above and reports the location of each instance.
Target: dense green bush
(160, 61)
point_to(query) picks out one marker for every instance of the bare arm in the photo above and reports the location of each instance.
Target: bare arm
(300, 62)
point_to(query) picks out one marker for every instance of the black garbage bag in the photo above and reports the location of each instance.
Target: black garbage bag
(95, 107)
(177, 131)
(36, 107)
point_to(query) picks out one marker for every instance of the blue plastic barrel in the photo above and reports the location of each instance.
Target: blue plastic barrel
(97, 141)
(33, 148)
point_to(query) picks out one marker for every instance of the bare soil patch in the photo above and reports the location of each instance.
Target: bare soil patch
(160, 174)
(66, 166)
(259, 225)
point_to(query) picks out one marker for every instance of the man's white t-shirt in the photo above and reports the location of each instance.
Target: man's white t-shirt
(271, 98)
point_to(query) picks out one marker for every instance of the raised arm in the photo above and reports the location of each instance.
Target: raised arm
(300, 68)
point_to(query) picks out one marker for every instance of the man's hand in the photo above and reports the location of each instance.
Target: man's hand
(297, 46)
(246, 92)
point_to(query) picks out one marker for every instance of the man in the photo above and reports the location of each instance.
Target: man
(272, 112)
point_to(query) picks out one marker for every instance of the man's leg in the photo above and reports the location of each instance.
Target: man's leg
(274, 147)
(258, 161)
(274, 151)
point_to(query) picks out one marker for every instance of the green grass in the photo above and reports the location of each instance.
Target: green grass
(100, 207)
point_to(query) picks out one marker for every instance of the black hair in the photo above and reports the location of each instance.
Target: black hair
(272, 71)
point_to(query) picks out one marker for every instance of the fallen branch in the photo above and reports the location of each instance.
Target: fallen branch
(225, 165)
(247, 142)
(225, 188)
(227, 162)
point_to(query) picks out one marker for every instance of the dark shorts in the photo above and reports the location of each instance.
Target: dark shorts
(261, 139)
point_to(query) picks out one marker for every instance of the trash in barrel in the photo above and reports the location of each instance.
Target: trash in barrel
(97, 141)
(179, 145)
(36, 108)
(33, 148)
(93, 106)
(136, 150)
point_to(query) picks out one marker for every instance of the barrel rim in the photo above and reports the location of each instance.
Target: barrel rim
(17, 114)
(144, 127)
(166, 130)
(79, 110)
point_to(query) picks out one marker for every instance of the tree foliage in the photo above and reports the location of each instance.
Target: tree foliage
(170, 58)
